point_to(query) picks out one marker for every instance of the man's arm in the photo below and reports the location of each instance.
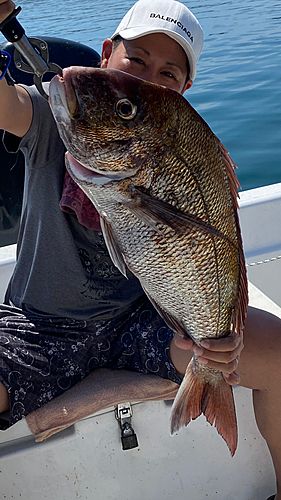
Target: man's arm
(15, 104)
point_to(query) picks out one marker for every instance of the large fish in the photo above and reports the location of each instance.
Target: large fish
(166, 192)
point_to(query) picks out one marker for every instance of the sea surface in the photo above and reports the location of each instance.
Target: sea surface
(237, 87)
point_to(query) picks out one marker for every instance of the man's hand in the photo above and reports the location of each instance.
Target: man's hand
(220, 354)
(6, 8)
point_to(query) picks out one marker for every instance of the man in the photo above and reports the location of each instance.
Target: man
(65, 299)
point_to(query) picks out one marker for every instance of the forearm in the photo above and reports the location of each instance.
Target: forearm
(15, 109)
(15, 104)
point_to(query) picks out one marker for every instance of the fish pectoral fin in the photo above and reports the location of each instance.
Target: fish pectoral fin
(113, 248)
(214, 400)
(170, 320)
(153, 211)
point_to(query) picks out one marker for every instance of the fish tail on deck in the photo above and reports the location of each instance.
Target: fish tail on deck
(215, 401)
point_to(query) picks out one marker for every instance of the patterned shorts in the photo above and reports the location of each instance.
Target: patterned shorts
(40, 358)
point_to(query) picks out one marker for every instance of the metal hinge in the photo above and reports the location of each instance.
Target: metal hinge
(123, 413)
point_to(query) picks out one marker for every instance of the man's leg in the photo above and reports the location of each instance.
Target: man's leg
(4, 398)
(259, 369)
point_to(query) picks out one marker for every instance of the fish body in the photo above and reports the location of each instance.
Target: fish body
(166, 192)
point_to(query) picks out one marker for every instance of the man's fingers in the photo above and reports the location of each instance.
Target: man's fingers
(219, 365)
(232, 378)
(222, 354)
(184, 343)
(224, 357)
(224, 344)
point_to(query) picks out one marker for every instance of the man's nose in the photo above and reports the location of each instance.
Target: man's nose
(150, 75)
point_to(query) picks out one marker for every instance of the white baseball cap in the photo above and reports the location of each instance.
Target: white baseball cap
(164, 16)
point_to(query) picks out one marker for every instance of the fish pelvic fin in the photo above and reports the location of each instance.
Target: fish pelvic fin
(113, 248)
(215, 401)
(172, 322)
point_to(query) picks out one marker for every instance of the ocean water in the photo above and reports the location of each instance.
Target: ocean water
(237, 87)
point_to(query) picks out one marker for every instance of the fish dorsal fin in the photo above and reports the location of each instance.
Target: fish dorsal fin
(113, 248)
(240, 310)
(230, 170)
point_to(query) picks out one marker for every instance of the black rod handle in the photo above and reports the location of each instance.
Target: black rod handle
(11, 28)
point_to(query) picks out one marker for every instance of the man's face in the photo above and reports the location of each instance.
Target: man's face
(156, 58)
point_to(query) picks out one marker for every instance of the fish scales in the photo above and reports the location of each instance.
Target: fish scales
(166, 192)
(183, 278)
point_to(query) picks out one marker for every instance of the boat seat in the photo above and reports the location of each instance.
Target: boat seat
(64, 53)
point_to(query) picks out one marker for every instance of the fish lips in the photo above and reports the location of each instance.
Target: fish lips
(62, 95)
(84, 175)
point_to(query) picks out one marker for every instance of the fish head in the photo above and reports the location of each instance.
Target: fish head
(110, 122)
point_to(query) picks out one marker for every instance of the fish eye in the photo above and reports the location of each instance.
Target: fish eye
(126, 109)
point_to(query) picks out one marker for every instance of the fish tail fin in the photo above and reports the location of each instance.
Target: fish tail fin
(215, 401)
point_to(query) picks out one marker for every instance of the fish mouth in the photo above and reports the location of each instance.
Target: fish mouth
(62, 94)
(84, 175)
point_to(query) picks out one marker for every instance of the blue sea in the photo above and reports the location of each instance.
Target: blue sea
(237, 87)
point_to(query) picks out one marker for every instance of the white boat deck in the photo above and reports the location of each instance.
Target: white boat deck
(86, 461)
(260, 212)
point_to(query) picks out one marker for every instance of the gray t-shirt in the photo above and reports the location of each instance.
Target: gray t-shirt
(63, 269)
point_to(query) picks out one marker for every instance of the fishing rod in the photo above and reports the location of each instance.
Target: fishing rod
(31, 55)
